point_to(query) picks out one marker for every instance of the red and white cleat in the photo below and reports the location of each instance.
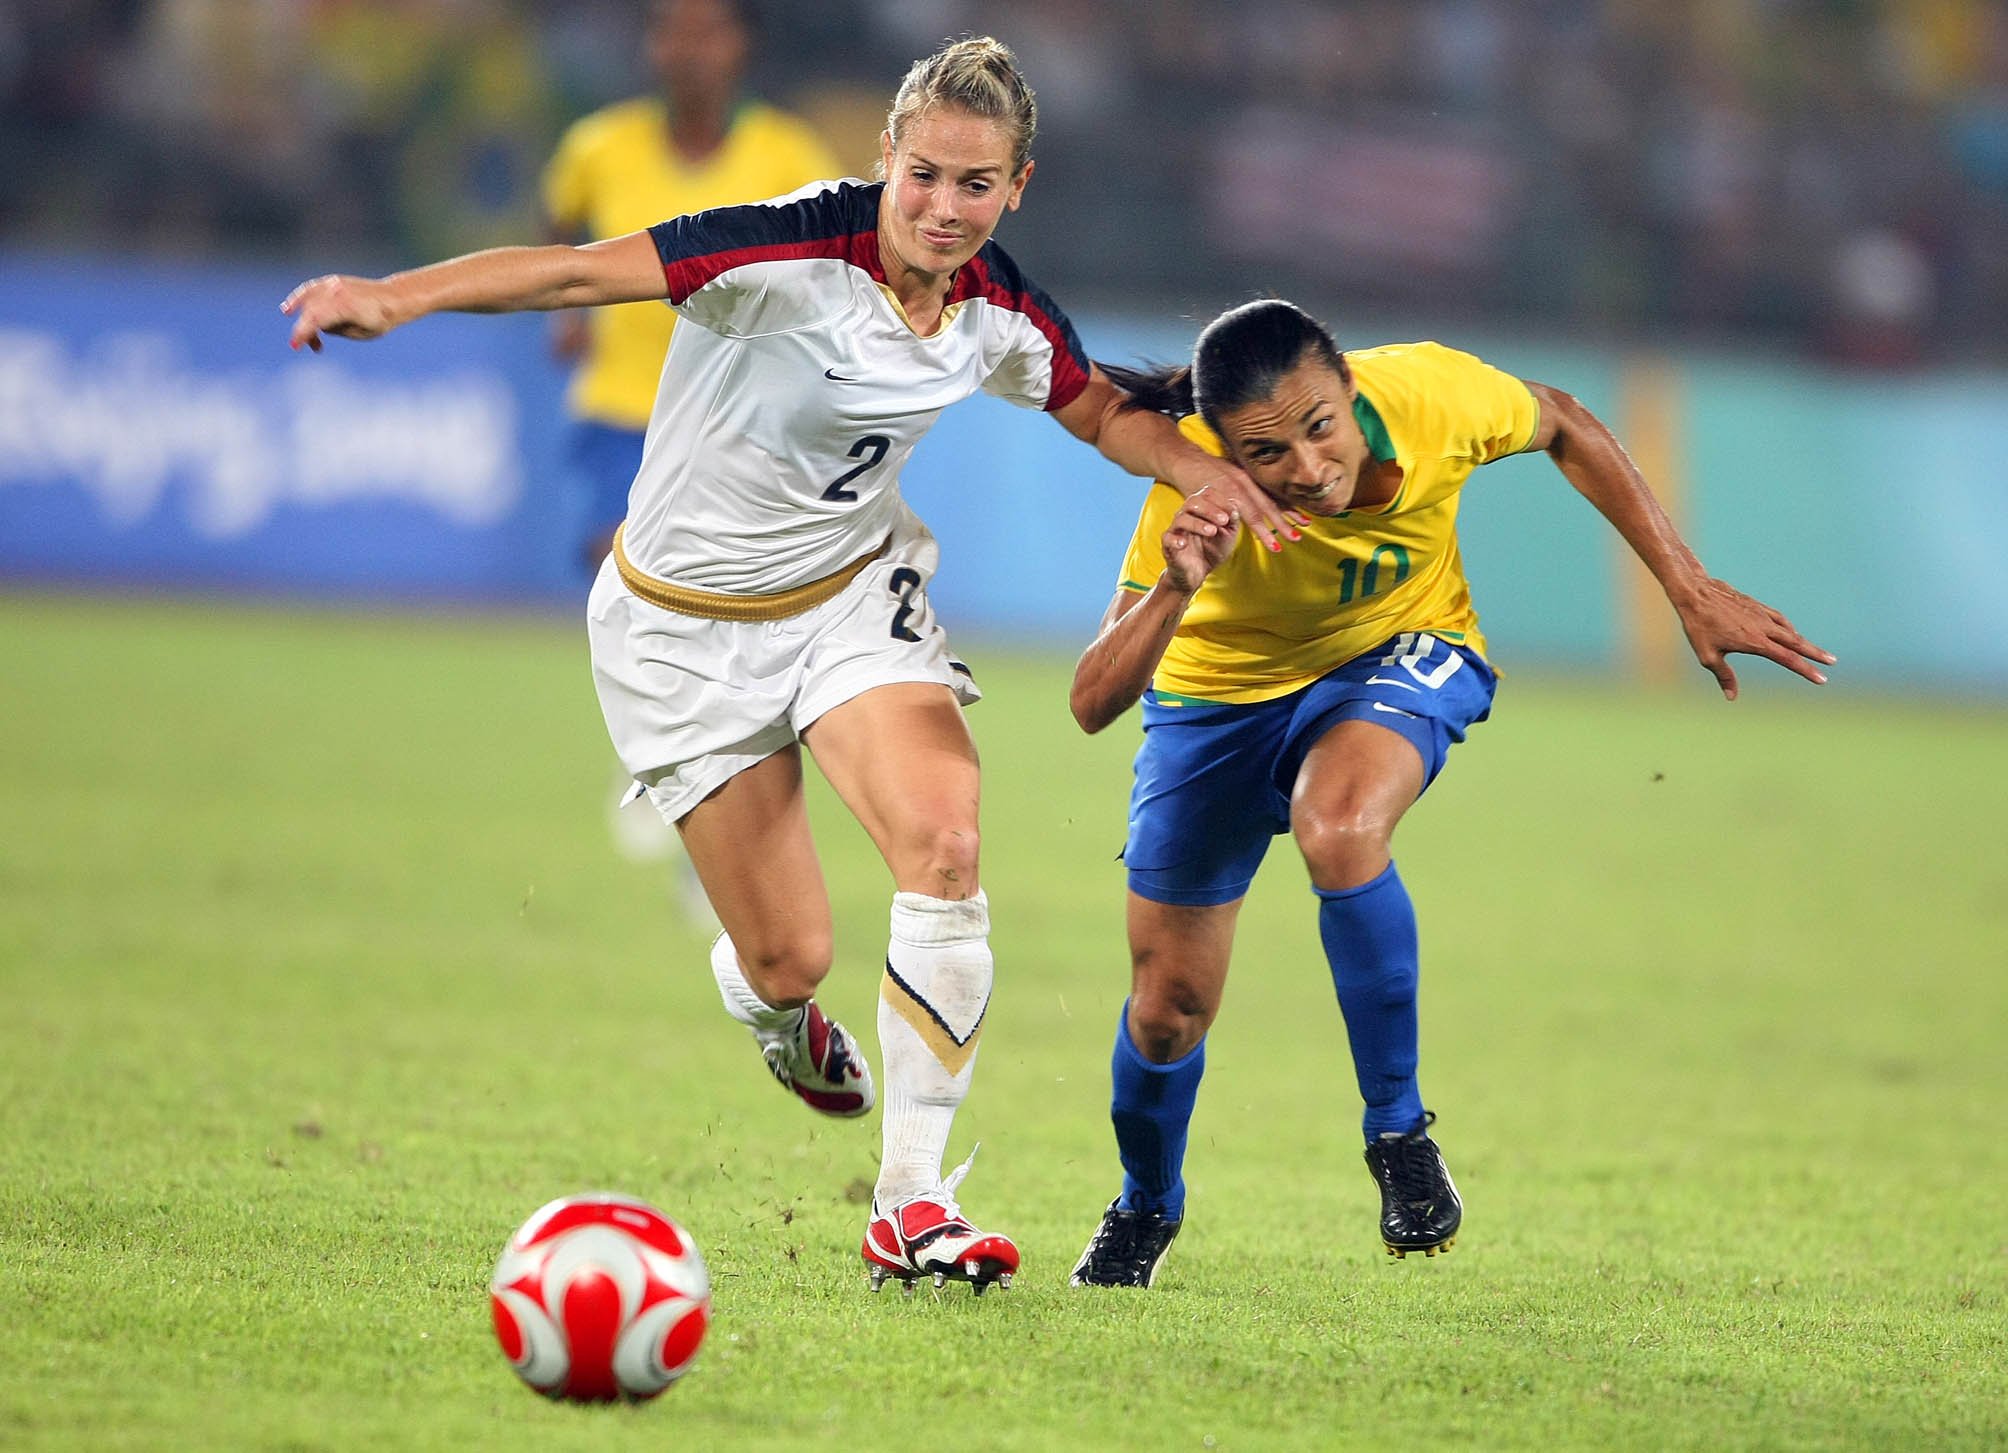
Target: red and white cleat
(927, 1236)
(819, 1061)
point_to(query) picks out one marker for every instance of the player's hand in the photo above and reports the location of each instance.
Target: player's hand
(348, 307)
(571, 332)
(1200, 536)
(1230, 491)
(1721, 621)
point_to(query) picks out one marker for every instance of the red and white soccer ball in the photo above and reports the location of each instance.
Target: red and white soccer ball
(600, 1297)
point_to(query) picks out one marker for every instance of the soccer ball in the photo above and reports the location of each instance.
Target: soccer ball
(600, 1297)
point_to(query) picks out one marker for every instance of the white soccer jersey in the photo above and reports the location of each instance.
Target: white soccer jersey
(784, 417)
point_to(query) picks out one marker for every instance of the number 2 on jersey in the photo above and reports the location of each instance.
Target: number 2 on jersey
(903, 582)
(871, 449)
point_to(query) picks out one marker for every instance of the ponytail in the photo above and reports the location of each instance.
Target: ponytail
(1162, 389)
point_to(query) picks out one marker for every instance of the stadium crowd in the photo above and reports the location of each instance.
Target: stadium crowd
(1828, 175)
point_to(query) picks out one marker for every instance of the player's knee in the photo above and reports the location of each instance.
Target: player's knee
(785, 972)
(946, 861)
(1168, 1019)
(1344, 845)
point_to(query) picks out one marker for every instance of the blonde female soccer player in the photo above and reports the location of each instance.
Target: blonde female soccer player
(769, 587)
(1316, 692)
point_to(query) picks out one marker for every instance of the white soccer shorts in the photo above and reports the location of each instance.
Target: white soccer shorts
(690, 703)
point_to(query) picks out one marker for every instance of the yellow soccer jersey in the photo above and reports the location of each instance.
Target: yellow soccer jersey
(615, 173)
(1265, 624)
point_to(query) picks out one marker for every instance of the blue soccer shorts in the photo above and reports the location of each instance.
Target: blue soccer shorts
(1213, 781)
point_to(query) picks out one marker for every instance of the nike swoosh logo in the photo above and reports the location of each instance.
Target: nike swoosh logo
(1391, 681)
(831, 373)
(1394, 710)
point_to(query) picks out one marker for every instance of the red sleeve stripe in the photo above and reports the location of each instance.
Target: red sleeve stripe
(687, 274)
(839, 221)
(992, 275)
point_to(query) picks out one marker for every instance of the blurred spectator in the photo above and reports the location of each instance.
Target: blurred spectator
(1881, 298)
(447, 105)
(1626, 165)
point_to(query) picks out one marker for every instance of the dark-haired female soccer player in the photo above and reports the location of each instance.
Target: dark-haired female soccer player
(1316, 691)
(769, 587)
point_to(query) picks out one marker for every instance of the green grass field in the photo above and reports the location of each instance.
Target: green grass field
(320, 975)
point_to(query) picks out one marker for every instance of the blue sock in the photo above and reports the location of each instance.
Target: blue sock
(1151, 1106)
(1370, 942)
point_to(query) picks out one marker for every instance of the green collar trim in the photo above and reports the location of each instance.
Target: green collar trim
(1371, 426)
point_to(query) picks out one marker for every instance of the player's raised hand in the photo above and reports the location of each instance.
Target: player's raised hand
(1232, 490)
(1200, 536)
(1721, 621)
(348, 307)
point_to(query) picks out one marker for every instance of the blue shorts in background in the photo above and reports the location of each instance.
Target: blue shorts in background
(602, 461)
(1213, 781)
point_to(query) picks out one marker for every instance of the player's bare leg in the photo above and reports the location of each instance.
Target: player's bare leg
(1178, 971)
(902, 759)
(1351, 793)
(749, 842)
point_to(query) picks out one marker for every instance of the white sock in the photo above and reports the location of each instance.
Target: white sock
(930, 1018)
(741, 1002)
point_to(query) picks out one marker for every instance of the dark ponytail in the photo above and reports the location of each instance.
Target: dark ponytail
(1240, 357)
(1162, 389)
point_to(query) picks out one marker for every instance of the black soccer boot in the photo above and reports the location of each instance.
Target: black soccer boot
(1126, 1249)
(1420, 1210)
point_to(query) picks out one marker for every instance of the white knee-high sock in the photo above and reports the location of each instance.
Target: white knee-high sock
(741, 1002)
(930, 1018)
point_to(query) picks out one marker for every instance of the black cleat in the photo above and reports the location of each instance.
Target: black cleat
(1126, 1249)
(1420, 1210)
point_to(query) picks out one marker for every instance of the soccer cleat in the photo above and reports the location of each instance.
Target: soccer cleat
(819, 1061)
(1126, 1250)
(927, 1236)
(1420, 1210)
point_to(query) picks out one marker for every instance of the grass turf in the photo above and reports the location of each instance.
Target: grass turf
(320, 976)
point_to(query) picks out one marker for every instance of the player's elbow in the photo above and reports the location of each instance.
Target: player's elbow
(1092, 708)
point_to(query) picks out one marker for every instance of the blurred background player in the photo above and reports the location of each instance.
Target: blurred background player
(1317, 692)
(701, 143)
(768, 588)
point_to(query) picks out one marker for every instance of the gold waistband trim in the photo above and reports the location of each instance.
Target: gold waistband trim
(712, 606)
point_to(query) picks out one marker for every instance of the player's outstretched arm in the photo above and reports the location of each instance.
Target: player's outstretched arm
(1113, 672)
(1720, 620)
(500, 280)
(1148, 444)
